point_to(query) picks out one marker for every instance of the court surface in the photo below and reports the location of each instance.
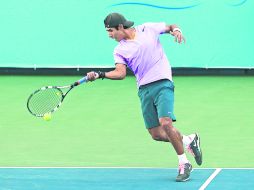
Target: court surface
(97, 139)
(122, 178)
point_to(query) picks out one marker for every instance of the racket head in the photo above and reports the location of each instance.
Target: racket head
(45, 100)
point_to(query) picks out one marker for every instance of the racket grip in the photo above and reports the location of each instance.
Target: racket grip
(80, 81)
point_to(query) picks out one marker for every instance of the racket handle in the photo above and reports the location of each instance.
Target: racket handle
(80, 81)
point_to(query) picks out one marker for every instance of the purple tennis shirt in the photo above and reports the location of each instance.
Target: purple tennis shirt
(144, 55)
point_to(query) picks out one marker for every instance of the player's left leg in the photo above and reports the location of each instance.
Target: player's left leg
(164, 102)
(172, 134)
(175, 137)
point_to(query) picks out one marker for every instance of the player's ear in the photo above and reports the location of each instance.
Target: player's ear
(120, 27)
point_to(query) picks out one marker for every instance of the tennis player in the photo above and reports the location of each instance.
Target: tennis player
(139, 49)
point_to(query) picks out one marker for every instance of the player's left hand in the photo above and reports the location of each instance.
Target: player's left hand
(178, 37)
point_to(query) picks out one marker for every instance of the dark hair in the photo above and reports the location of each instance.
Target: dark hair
(125, 27)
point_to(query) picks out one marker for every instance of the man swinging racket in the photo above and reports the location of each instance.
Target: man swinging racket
(139, 49)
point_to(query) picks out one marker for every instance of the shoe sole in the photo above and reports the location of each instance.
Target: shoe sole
(183, 180)
(191, 169)
(198, 142)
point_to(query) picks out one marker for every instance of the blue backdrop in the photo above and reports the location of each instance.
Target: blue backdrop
(70, 33)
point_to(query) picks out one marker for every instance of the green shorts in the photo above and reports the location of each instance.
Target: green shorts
(157, 101)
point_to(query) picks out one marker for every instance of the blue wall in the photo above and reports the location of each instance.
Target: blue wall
(70, 33)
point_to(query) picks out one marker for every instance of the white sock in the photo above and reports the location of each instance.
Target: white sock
(188, 139)
(182, 159)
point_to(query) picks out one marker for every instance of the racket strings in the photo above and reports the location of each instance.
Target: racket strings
(45, 101)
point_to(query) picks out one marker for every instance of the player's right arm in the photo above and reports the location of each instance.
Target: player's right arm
(118, 73)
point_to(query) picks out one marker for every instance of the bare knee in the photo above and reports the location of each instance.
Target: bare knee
(158, 134)
(156, 137)
(170, 130)
(166, 123)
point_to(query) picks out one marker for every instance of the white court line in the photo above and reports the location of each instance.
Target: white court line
(208, 181)
(79, 167)
(113, 167)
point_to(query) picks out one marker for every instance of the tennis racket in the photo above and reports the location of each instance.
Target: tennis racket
(49, 98)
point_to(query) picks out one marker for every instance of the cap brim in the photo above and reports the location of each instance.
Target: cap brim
(128, 23)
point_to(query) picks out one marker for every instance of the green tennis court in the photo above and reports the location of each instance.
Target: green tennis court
(97, 139)
(98, 128)
(100, 123)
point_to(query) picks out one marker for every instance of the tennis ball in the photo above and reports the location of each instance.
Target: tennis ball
(47, 116)
(58, 94)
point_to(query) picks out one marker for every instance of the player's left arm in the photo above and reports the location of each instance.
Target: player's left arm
(175, 31)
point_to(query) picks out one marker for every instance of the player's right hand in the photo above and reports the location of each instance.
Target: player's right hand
(91, 76)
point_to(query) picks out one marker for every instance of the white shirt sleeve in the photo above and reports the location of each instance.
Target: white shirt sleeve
(119, 58)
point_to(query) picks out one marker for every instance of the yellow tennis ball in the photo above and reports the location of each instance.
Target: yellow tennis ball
(47, 116)
(58, 94)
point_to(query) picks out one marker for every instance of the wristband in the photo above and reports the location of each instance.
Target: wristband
(177, 29)
(101, 74)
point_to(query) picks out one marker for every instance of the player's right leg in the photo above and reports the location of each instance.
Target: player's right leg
(191, 142)
(192, 145)
(158, 134)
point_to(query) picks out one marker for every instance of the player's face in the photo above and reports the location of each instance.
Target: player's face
(115, 34)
